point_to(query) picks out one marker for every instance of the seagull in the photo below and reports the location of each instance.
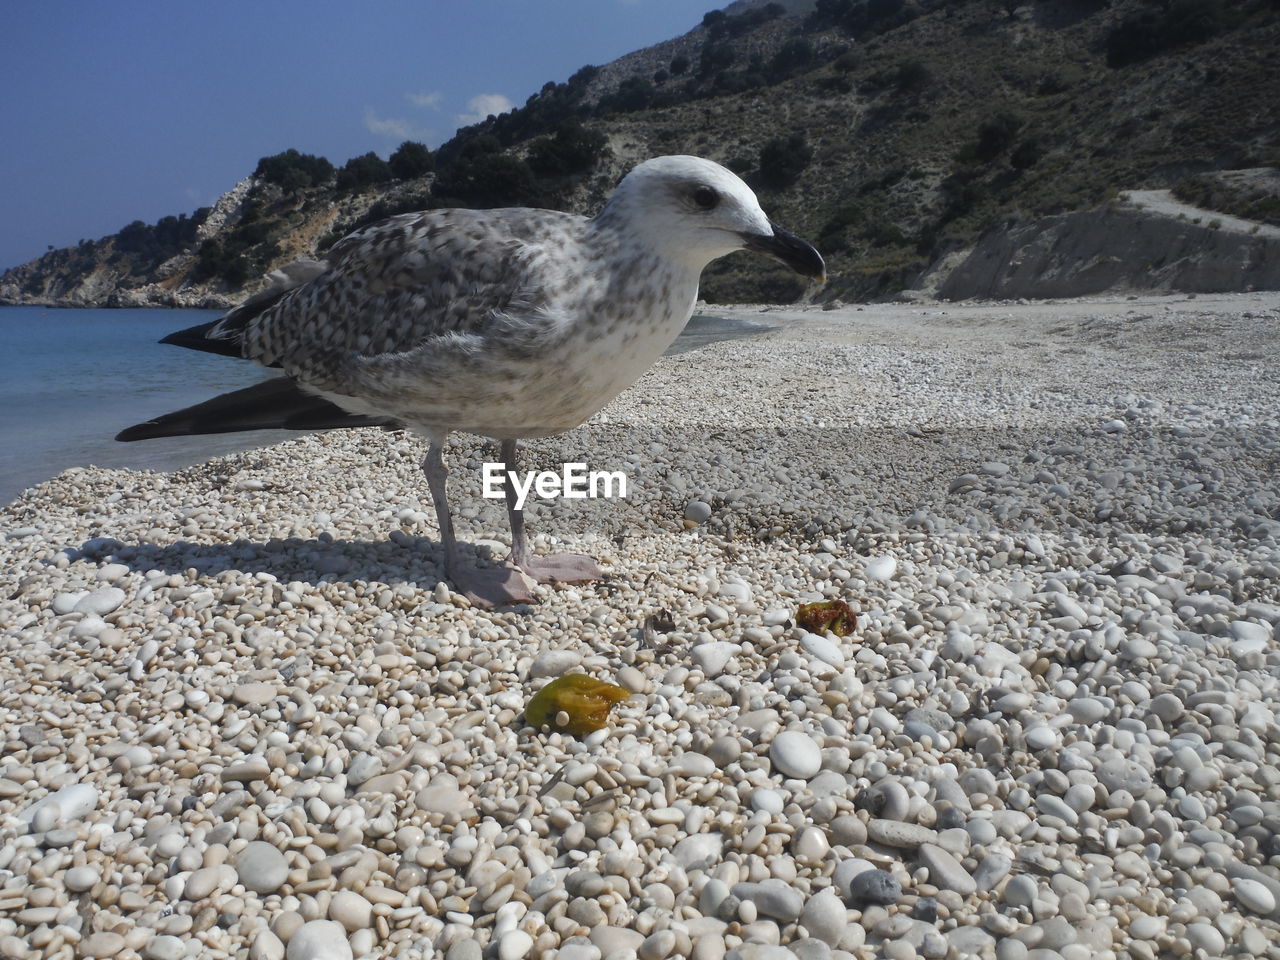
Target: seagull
(510, 324)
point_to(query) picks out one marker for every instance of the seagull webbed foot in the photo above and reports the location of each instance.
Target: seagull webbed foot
(491, 586)
(562, 568)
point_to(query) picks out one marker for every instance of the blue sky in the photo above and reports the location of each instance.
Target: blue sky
(125, 110)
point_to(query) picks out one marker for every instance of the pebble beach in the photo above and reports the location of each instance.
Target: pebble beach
(241, 716)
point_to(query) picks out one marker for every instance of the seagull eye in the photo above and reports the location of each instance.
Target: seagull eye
(706, 198)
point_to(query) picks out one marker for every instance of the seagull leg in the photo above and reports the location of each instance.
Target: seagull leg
(483, 586)
(553, 568)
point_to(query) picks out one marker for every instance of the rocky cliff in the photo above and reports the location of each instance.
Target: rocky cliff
(1118, 247)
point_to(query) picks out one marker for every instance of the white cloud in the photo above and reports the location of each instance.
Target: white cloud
(429, 100)
(483, 105)
(394, 128)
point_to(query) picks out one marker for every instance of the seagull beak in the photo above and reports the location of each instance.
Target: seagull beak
(790, 249)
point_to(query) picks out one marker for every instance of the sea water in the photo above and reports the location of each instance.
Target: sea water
(70, 380)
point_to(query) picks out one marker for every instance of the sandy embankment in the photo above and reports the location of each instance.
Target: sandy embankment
(1055, 725)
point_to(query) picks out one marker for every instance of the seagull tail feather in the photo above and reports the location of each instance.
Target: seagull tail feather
(224, 336)
(272, 405)
(197, 338)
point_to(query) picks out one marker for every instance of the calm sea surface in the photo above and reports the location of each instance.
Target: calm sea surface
(71, 379)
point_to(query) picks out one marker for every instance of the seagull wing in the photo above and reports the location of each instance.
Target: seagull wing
(445, 278)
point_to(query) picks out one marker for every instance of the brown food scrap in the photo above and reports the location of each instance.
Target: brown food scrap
(584, 700)
(834, 616)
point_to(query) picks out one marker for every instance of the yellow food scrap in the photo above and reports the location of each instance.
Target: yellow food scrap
(833, 616)
(575, 703)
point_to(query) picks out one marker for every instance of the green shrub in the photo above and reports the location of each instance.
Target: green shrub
(1156, 29)
(862, 17)
(912, 75)
(792, 57)
(995, 136)
(364, 170)
(582, 76)
(716, 57)
(293, 171)
(489, 179)
(848, 61)
(783, 159)
(239, 256)
(634, 93)
(836, 85)
(1026, 154)
(410, 161)
(573, 149)
(149, 246)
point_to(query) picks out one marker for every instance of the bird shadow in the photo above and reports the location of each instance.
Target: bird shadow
(406, 559)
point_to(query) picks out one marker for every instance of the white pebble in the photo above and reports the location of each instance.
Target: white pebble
(881, 568)
(319, 940)
(1253, 896)
(795, 754)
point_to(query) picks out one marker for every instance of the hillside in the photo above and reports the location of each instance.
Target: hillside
(890, 132)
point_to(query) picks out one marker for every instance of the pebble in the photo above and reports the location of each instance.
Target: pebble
(895, 833)
(1253, 896)
(696, 511)
(1041, 738)
(712, 658)
(80, 879)
(768, 801)
(824, 917)
(100, 602)
(1146, 927)
(261, 867)
(319, 940)
(633, 680)
(516, 944)
(881, 568)
(820, 648)
(166, 947)
(692, 764)
(466, 950)
(351, 910)
(772, 898)
(67, 805)
(101, 944)
(202, 883)
(1051, 736)
(554, 663)
(1087, 710)
(887, 800)
(1206, 937)
(266, 946)
(698, 848)
(945, 870)
(254, 694)
(611, 940)
(795, 755)
(1021, 891)
(875, 887)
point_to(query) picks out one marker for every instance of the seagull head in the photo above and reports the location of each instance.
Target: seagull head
(695, 211)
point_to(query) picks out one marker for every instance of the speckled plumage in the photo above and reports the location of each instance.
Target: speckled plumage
(507, 323)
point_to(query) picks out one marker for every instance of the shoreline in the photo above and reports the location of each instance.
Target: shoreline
(77, 418)
(1057, 722)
